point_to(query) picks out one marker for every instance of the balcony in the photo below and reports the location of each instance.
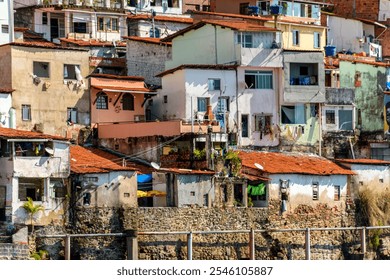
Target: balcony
(161, 128)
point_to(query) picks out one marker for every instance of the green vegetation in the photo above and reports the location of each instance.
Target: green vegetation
(32, 209)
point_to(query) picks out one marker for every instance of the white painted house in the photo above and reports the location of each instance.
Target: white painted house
(159, 6)
(6, 110)
(33, 165)
(371, 174)
(6, 21)
(100, 179)
(103, 20)
(355, 35)
(233, 68)
(300, 179)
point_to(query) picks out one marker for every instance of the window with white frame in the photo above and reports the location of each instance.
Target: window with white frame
(245, 39)
(317, 40)
(315, 191)
(263, 123)
(338, 118)
(44, 18)
(259, 79)
(214, 84)
(108, 24)
(223, 104)
(102, 101)
(26, 112)
(295, 37)
(4, 28)
(71, 115)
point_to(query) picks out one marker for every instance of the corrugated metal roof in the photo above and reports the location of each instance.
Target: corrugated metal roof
(291, 163)
(9, 133)
(92, 160)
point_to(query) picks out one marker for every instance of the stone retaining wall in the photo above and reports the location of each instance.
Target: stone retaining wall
(14, 251)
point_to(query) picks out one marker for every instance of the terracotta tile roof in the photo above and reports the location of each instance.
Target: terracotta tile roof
(6, 90)
(251, 177)
(92, 43)
(147, 40)
(238, 25)
(331, 62)
(198, 66)
(288, 163)
(160, 18)
(92, 160)
(374, 63)
(9, 133)
(116, 77)
(46, 45)
(259, 18)
(138, 89)
(364, 161)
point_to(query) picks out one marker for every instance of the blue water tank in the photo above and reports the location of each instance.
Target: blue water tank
(253, 10)
(330, 50)
(275, 9)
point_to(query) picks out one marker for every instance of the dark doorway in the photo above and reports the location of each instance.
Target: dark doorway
(54, 29)
(2, 203)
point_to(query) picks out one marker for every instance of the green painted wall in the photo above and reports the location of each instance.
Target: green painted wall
(368, 95)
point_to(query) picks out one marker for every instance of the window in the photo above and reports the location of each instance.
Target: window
(58, 189)
(155, 34)
(245, 40)
(330, 116)
(71, 115)
(293, 114)
(244, 8)
(165, 98)
(128, 102)
(71, 71)
(203, 102)
(214, 84)
(166, 3)
(41, 69)
(317, 40)
(259, 79)
(107, 24)
(295, 38)
(339, 118)
(4, 28)
(26, 112)
(223, 104)
(80, 27)
(263, 124)
(337, 193)
(206, 8)
(30, 187)
(44, 18)
(315, 190)
(102, 101)
(244, 126)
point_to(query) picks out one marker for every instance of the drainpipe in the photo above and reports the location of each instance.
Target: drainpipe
(237, 117)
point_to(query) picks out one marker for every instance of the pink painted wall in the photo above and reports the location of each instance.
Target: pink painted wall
(231, 6)
(115, 112)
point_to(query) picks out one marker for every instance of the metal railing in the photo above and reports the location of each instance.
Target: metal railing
(132, 238)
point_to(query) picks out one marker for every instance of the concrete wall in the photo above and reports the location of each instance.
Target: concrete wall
(147, 60)
(340, 96)
(368, 96)
(304, 93)
(301, 190)
(113, 189)
(142, 28)
(50, 98)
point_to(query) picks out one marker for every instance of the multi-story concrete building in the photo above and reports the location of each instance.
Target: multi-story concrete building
(50, 87)
(6, 21)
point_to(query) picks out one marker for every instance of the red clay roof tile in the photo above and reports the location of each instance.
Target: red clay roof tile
(92, 160)
(10, 133)
(287, 163)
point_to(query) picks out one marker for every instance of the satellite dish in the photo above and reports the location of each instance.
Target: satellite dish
(49, 151)
(259, 166)
(155, 165)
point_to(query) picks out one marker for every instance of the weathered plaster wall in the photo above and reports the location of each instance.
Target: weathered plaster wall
(147, 60)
